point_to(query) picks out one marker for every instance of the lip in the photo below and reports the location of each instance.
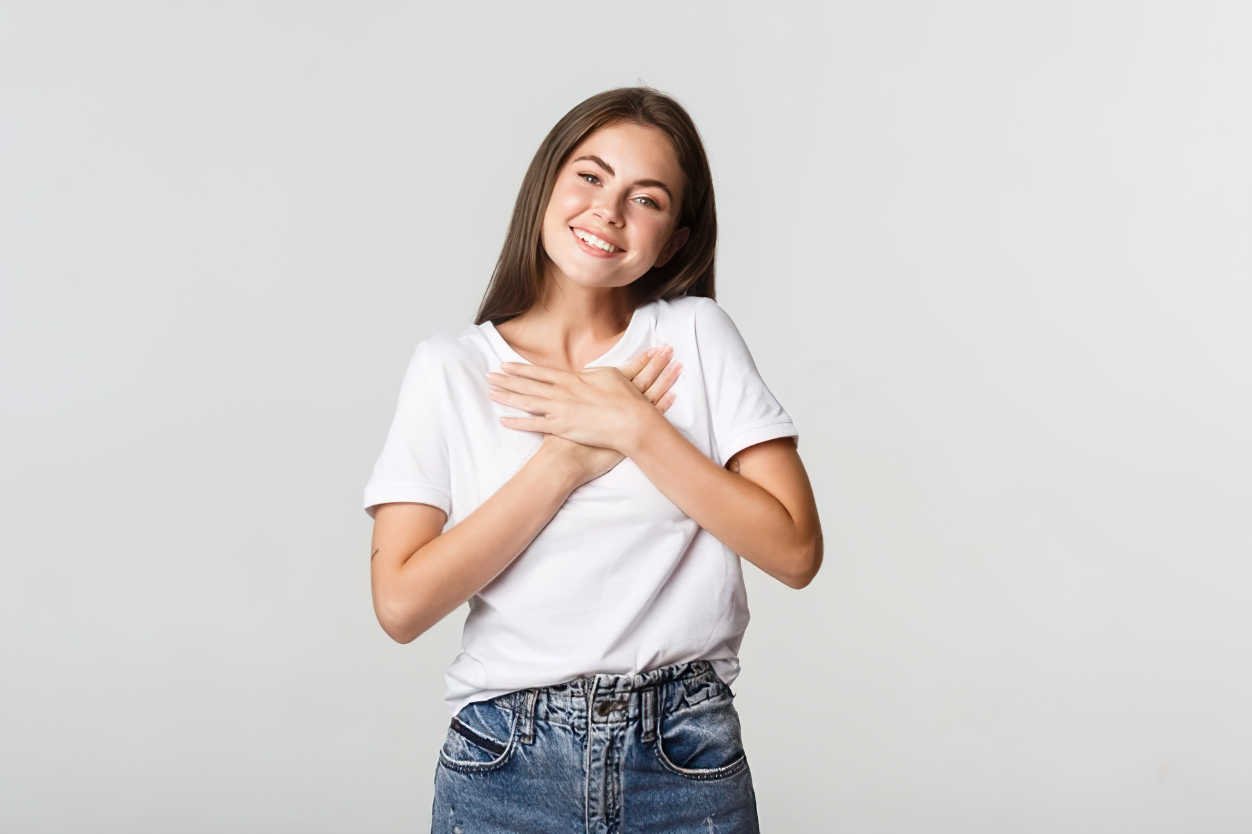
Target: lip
(591, 250)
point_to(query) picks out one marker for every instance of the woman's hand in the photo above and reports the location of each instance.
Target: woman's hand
(643, 381)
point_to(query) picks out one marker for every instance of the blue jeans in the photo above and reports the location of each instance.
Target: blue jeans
(606, 754)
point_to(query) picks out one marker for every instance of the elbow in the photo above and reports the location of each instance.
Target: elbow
(399, 625)
(798, 581)
(805, 565)
(401, 635)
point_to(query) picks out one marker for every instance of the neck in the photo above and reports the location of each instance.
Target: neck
(571, 324)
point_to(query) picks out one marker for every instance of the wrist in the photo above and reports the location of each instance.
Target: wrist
(557, 465)
(648, 422)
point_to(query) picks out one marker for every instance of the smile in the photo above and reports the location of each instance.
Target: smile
(594, 244)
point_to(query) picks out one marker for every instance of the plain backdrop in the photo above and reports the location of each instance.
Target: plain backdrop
(995, 259)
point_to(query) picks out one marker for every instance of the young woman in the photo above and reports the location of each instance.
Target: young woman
(586, 464)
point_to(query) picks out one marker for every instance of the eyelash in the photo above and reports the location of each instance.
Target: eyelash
(597, 180)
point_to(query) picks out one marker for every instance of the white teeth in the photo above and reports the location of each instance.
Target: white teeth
(591, 239)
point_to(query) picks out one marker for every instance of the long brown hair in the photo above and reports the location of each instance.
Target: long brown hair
(517, 280)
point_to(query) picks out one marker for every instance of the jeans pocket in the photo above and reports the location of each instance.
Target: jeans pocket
(703, 740)
(482, 737)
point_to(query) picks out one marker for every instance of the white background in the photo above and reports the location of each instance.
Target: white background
(993, 258)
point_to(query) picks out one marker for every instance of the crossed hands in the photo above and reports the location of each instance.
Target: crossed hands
(598, 416)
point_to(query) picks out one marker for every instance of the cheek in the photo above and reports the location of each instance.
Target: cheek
(562, 204)
(554, 219)
(655, 233)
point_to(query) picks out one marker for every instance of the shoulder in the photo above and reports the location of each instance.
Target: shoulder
(686, 305)
(697, 311)
(452, 349)
(708, 320)
(447, 360)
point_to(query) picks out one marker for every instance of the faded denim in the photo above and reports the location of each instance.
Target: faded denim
(660, 751)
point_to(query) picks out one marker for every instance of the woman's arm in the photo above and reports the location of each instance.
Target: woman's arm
(762, 508)
(761, 505)
(419, 576)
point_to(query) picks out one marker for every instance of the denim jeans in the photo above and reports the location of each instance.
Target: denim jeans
(660, 751)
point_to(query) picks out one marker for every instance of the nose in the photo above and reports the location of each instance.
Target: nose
(607, 210)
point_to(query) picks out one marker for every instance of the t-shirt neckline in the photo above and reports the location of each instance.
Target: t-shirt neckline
(504, 349)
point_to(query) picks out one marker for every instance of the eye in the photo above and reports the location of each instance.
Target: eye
(650, 202)
(591, 178)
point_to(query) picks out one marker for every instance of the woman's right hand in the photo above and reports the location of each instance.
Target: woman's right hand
(653, 374)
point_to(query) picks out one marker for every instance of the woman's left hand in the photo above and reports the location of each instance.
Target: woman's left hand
(598, 406)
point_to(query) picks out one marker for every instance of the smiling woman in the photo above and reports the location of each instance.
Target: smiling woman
(626, 214)
(587, 464)
(678, 179)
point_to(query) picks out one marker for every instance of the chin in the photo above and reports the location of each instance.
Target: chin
(581, 275)
(591, 282)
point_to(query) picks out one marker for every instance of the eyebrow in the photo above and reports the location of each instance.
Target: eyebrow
(606, 166)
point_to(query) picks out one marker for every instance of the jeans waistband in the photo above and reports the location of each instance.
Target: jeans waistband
(612, 698)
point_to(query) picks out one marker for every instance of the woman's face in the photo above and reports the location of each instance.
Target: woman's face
(615, 207)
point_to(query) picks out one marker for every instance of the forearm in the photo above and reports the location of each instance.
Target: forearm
(413, 592)
(740, 513)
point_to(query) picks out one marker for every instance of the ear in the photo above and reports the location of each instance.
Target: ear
(675, 243)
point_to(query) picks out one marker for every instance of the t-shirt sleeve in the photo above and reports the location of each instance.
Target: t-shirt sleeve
(743, 410)
(413, 466)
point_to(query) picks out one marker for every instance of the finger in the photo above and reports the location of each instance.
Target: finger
(646, 377)
(520, 384)
(664, 382)
(539, 372)
(666, 401)
(632, 367)
(631, 370)
(534, 405)
(535, 424)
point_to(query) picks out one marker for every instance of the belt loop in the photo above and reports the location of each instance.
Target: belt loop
(526, 732)
(650, 722)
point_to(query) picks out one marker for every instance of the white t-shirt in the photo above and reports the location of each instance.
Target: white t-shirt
(620, 580)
